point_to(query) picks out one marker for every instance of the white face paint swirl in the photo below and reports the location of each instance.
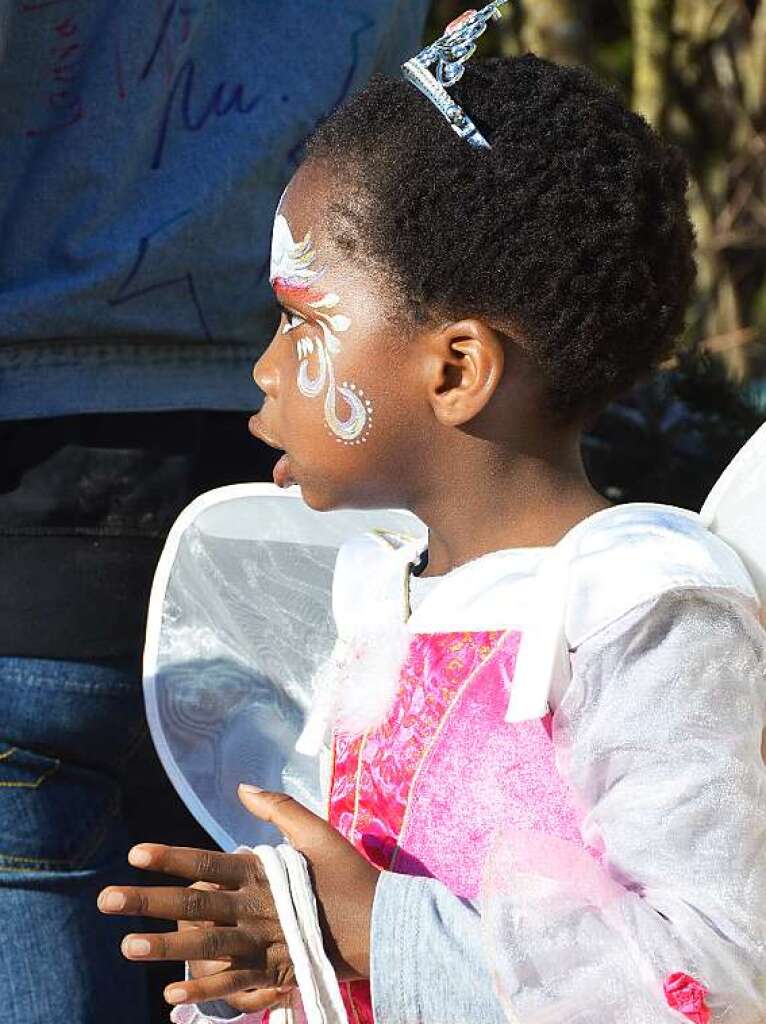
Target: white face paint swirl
(293, 273)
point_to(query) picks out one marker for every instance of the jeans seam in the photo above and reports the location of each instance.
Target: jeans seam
(53, 864)
(29, 785)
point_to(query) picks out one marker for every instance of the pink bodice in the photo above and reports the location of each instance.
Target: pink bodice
(425, 792)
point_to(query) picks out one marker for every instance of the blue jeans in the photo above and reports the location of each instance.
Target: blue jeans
(79, 783)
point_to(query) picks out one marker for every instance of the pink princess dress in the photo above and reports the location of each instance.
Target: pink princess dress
(569, 738)
(457, 769)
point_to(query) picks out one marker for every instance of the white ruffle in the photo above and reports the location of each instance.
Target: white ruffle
(356, 687)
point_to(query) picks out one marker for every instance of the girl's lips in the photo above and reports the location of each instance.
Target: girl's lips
(256, 429)
(283, 476)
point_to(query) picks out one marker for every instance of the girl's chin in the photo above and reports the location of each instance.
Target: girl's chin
(321, 498)
(320, 501)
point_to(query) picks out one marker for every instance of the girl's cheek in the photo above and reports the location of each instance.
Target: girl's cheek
(344, 404)
(350, 414)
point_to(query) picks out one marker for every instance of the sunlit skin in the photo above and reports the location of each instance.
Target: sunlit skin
(462, 435)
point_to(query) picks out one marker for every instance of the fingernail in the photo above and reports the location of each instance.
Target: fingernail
(137, 947)
(111, 901)
(139, 857)
(176, 995)
(247, 788)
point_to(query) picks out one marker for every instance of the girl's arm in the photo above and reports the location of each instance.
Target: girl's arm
(659, 732)
(429, 962)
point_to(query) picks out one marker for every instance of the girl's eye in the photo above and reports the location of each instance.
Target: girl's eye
(292, 320)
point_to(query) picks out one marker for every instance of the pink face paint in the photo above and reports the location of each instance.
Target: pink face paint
(294, 277)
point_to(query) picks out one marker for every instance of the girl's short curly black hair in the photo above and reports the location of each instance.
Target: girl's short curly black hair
(571, 231)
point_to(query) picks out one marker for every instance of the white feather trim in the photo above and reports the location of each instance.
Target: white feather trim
(370, 678)
(356, 687)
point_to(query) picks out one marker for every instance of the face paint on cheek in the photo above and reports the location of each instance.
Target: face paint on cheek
(293, 272)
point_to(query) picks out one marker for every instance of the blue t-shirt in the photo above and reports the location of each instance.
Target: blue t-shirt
(143, 149)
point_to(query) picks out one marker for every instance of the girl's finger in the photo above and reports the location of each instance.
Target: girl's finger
(170, 904)
(218, 986)
(261, 999)
(192, 944)
(230, 870)
(202, 968)
(184, 925)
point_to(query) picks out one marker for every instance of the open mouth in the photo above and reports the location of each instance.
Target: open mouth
(282, 472)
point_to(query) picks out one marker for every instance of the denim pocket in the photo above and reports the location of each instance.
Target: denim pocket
(20, 769)
(53, 815)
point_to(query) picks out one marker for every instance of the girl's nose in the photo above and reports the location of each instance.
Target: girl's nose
(266, 375)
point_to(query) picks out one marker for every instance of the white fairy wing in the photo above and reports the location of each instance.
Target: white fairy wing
(735, 509)
(240, 618)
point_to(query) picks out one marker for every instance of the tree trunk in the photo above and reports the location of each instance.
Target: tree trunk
(754, 67)
(651, 57)
(558, 30)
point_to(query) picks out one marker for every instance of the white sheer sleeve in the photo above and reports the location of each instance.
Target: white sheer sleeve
(659, 733)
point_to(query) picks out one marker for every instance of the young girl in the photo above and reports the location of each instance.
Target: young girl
(546, 801)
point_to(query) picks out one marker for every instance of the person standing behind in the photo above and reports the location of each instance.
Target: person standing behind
(143, 148)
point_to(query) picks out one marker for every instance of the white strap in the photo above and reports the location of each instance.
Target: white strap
(304, 902)
(298, 917)
(276, 876)
(543, 655)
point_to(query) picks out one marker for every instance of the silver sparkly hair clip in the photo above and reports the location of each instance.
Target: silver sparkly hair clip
(449, 54)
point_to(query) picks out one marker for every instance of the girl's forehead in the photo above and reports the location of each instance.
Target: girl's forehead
(306, 199)
(304, 248)
(295, 267)
(301, 253)
(286, 221)
(295, 242)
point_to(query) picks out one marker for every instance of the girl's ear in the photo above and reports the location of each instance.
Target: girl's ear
(466, 360)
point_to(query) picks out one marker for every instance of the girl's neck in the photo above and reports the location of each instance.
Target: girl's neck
(520, 501)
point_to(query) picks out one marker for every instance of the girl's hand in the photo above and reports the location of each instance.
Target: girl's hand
(244, 935)
(201, 968)
(244, 1001)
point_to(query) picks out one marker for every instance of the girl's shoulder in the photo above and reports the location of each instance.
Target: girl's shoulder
(631, 554)
(610, 563)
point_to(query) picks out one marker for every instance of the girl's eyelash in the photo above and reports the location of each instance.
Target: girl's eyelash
(293, 320)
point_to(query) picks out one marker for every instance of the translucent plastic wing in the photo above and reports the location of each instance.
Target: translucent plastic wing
(240, 618)
(735, 509)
